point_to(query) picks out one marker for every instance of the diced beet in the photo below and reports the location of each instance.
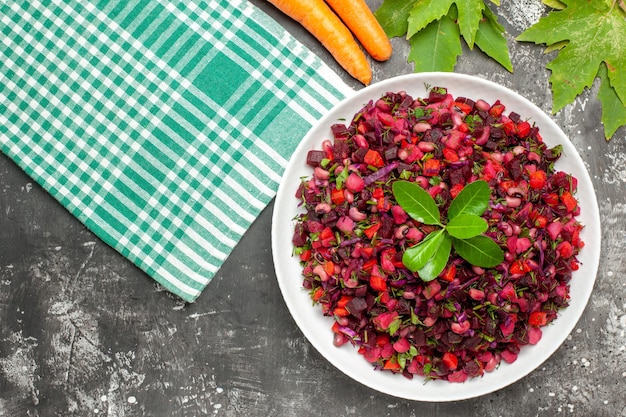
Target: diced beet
(356, 305)
(341, 150)
(514, 117)
(404, 167)
(490, 146)
(330, 219)
(419, 338)
(533, 133)
(478, 131)
(456, 177)
(433, 135)
(445, 120)
(371, 138)
(452, 338)
(390, 153)
(515, 169)
(315, 157)
(470, 343)
(485, 116)
(300, 235)
(360, 291)
(405, 103)
(497, 132)
(359, 154)
(300, 191)
(437, 94)
(465, 100)
(472, 369)
(386, 229)
(339, 130)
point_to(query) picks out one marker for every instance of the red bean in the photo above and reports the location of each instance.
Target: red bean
(513, 202)
(426, 146)
(421, 127)
(321, 174)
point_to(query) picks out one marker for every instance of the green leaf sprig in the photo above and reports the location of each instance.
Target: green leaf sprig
(463, 231)
(590, 39)
(434, 29)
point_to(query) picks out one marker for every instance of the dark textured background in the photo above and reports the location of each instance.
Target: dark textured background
(85, 333)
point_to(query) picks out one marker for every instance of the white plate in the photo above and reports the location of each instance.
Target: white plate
(316, 327)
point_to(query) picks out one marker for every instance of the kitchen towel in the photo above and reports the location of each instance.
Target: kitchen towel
(163, 126)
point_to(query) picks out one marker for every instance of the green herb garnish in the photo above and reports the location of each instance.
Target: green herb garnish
(463, 230)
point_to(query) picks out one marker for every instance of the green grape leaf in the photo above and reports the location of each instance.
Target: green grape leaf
(473, 199)
(465, 226)
(596, 33)
(469, 15)
(613, 110)
(425, 12)
(415, 257)
(555, 4)
(416, 202)
(434, 29)
(393, 16)
(490, 39)
(555, 47)
(480, 251)
(436, 47)
(438, 262)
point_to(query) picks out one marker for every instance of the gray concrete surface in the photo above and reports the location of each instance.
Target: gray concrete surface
(85, 333)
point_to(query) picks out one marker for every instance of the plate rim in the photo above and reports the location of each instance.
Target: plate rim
(443, 391)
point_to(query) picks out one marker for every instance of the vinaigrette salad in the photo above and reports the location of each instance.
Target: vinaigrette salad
(352, 233)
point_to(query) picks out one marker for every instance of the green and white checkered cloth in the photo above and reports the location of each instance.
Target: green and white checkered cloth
(163, 126)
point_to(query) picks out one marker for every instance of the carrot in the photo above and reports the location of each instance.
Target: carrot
(363, 24)
(319, 20)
